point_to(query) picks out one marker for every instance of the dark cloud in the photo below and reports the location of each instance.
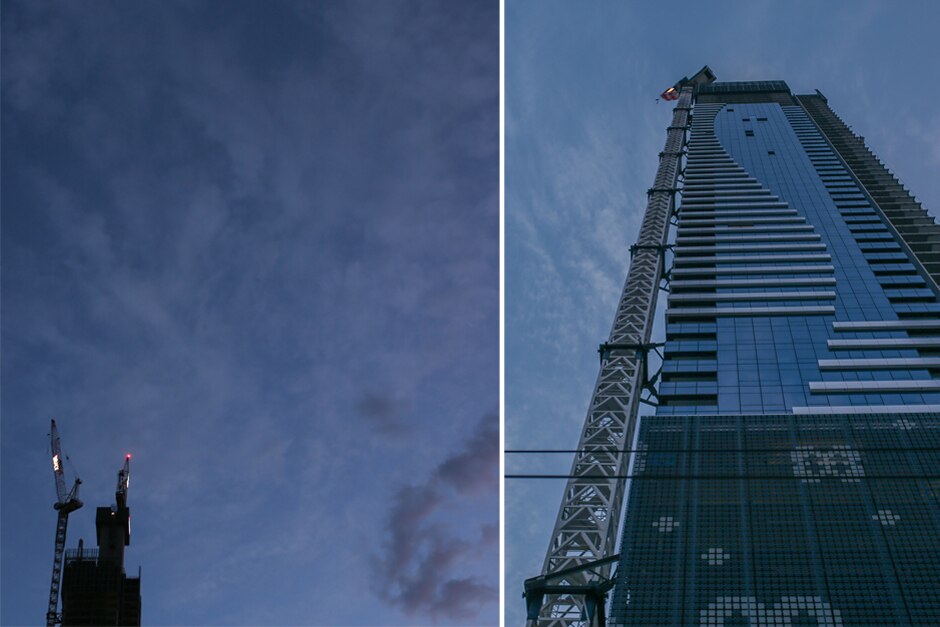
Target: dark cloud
(425, 553)
(462, 597)
(385, 413)
(477, 467)
(410, 508)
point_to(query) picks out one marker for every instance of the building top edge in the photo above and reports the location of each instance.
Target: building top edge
(741, 87)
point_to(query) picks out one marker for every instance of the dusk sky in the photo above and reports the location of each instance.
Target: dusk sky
(583, 129)
(256, 245)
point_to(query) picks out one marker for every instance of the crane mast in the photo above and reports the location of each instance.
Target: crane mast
(585, 533)
(66, 503)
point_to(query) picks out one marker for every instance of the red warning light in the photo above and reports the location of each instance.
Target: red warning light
(128, 456)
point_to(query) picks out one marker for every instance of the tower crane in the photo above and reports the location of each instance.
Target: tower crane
(66, 503)
(114, 527)
(124, 482)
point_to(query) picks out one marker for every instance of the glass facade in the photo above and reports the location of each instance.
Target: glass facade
(791, 473)
(783, 520)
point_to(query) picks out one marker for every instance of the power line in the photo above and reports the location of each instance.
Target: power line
(716, 477)
(926, 449)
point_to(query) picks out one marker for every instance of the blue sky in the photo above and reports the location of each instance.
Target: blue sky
(583, 129)
(256, 245)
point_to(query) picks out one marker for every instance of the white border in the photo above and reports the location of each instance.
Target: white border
(502, 312)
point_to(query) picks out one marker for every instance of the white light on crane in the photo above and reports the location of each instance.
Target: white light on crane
(55, 463)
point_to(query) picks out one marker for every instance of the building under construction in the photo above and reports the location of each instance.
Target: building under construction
(96, 591)
(95, 588)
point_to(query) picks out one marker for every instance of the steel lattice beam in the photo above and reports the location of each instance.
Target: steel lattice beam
(52, 614)
(589, 515)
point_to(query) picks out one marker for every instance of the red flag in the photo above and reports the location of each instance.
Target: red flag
(670, 94)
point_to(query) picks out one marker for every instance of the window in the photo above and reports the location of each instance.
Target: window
(761, 119)
(749, 133)
(771, 152)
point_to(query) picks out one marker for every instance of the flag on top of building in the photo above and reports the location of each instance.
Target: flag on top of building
(670, 94)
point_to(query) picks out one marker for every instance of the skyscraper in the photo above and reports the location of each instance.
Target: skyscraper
(791, 472)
